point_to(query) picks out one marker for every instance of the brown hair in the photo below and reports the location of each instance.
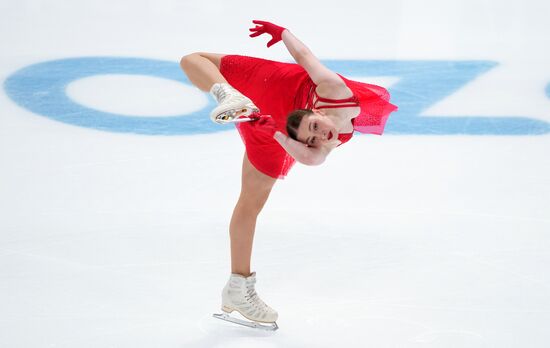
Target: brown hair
(293, 121)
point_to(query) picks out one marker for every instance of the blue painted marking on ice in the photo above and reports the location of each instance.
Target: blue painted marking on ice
(422, 84)
(41, 88)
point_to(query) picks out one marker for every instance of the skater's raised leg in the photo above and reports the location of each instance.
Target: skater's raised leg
(203, 70)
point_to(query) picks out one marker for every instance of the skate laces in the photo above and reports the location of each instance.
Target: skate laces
(227, 93)
(253, 296)
(221, 93)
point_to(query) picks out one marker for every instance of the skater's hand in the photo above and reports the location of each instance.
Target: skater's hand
(262, 27)
(265, 124)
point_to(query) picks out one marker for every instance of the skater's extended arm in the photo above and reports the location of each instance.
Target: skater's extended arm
(311, 156)
(319, 73)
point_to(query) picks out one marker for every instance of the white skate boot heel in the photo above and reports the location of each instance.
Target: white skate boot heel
(233, 106)
(239, 295)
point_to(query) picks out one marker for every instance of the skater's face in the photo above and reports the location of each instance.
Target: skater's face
(316, 129)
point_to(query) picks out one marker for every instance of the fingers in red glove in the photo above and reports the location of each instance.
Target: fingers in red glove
(265, 124)
(257, 31)
(266, 27)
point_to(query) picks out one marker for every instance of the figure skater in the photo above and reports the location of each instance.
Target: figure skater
(296, 112)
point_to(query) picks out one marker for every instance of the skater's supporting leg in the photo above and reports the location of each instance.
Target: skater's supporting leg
(203, 69)
(255, 190)
(239, 293)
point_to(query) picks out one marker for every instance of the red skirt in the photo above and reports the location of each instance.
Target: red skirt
(279, 88)
(276, 88)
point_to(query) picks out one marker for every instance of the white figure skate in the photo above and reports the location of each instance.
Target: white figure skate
(233, 106)
(239, 294)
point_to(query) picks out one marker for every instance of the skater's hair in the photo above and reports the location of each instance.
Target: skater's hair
(293, 121)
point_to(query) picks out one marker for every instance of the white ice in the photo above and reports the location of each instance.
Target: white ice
(121, 240)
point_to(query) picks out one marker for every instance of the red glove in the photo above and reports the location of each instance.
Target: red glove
(262, 27)
(265, 124)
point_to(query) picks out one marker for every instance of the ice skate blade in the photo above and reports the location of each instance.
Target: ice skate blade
(237, 120)
(253, 324)
(237, 116)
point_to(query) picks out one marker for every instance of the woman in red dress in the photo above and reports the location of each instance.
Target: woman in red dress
(312, 110)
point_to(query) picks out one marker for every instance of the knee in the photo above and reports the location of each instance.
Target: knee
(252, 206)
(187, 61)
(191, 59)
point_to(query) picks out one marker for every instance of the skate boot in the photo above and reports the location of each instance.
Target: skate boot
(233, 106)
(239, 295)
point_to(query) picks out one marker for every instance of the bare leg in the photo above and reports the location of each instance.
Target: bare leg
(255, 190)
(203, 69)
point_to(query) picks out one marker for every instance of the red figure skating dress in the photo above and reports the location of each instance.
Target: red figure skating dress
(278, 88)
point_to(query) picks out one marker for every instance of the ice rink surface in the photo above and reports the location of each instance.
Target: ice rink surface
(116, 190)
